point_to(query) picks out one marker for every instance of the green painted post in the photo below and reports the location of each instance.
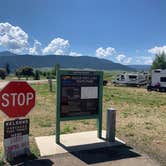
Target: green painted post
(57, 106)
(99, 119)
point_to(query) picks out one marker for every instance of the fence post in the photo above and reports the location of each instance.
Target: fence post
(50, 84)
(111, 125)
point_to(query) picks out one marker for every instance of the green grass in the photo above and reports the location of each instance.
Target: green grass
(134, 96)
(141, 118)
(1, 163)
(111, 75)
(68, 129)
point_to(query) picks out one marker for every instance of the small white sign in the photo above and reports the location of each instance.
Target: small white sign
(16, 146)
(89, 92)
(16, 138)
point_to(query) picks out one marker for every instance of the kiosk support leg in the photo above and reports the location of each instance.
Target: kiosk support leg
(99, 127)
(58, 132)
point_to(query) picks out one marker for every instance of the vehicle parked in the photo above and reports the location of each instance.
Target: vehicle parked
(158, 81)
(131, 79)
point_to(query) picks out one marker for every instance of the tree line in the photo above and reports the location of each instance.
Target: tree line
(27, 71)
(159, 61)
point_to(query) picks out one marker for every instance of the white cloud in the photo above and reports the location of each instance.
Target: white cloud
(57, 46)
(157, 50)
(74, 54)
(144, 60)
(102, 53)
(36, 49)
(121, 58)
(141, 60)
(128, 60)
(13, 38)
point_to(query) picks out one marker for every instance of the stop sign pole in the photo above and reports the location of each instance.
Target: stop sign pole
(17, 99)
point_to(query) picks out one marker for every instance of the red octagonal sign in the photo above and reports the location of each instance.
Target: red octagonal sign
(17, 99)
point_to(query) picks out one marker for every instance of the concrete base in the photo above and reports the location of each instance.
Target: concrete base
(73, 142)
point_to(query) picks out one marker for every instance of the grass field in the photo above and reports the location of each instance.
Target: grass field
(141, 118)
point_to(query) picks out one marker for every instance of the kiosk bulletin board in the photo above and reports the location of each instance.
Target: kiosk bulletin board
(78, 96)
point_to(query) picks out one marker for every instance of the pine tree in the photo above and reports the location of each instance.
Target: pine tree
(159, 61)
(7, 67)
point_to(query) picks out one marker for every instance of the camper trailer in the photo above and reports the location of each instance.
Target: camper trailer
(158, 80)
(131, 79)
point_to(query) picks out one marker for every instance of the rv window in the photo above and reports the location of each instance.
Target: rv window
(122, 77)
(132, 77)
(162, 79)
(157, 71)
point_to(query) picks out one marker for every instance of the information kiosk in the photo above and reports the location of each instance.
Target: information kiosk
(79, 96)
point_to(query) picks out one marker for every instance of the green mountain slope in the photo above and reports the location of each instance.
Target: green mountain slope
(81, 62)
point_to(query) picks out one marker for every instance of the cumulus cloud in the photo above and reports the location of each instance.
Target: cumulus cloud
(157, 50)
(13, 38)
(145, 60)
(57, 46)
(128, 60)
(74, 54)
(36, 49)
(102, 53)
(121, 58)
(141, 60)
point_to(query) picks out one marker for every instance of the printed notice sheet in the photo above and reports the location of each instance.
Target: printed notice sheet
(89, 92)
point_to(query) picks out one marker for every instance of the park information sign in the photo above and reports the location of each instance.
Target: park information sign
(16, 137)
(79, 96)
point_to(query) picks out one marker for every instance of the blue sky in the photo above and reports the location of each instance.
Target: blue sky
(128, 32)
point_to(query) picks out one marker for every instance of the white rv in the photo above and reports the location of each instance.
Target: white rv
(158, 80)
(135, 79)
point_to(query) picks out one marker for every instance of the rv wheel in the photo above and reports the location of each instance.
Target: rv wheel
(158, 89)
(149, 88)
(162, 89)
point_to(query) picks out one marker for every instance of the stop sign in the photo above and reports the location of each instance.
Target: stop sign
(17, 99)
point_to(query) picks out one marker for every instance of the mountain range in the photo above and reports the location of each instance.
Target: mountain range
(37, 61)
(82, 62)
(140, 67)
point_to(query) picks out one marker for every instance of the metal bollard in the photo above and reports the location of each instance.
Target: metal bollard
(111, 125)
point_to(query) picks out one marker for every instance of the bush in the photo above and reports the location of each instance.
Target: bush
(24, 71)
(18, 73)
(37, 75)
(7, 67)
(3, 74)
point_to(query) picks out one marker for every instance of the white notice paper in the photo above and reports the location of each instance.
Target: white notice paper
(89, 92)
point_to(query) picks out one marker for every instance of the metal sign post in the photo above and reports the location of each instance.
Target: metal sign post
(79, 96)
